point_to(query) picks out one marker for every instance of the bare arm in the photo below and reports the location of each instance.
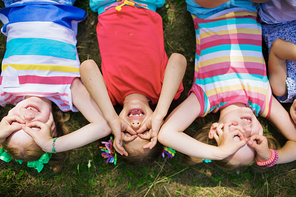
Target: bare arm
(95, 84)
(281, 119)
(171, 133)
(280, 51)
(96, 129)
(173, 77)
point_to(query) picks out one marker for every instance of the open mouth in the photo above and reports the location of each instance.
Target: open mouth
(32, 108)
(135, 113)
(247, 119)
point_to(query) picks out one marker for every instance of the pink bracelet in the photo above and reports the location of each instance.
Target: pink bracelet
(270, 160)
(275, 159)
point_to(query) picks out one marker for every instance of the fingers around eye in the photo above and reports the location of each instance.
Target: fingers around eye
(219, 130)
(142, 129)
(130, 130)
(128, 137)
(11, 119)
(146, 135)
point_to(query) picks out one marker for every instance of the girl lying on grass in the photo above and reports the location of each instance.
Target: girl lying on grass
(230, 77)
(40, 75)
(136, 73)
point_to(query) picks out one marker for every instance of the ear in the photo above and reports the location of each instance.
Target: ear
(213, 130)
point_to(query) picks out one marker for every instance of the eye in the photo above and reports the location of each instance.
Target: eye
(146, 131)
(36, 128)
(15, 122)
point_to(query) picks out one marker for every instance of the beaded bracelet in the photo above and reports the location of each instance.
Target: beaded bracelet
(53, 144)
(275, 159)
(270, 160)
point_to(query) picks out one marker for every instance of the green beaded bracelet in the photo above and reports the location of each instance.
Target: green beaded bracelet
(53, 144)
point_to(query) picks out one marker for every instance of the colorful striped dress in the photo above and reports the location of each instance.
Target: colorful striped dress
(41, 58)
(229, 65)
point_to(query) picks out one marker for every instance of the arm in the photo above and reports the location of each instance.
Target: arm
(280, 51)
(95, 84)
(281, 119)
(96, 129)
(173, 77)
(171, 134)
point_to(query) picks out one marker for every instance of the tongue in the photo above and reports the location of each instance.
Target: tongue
(136, 112)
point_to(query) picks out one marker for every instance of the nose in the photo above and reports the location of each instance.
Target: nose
(28, 117)
(247, 131)
(135, 124)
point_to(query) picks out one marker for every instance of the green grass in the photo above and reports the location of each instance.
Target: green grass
(166, 177)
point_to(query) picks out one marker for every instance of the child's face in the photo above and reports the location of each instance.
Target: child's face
(246, 121)
(248, 124)
(135, 113)
(30, 109)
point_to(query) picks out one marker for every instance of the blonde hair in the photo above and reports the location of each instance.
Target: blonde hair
(32, 152)
(202, 136)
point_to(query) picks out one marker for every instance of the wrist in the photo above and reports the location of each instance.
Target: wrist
(271, 161)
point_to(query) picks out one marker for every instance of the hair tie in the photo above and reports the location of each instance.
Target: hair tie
(108, 151)
(38, 165)
(206, 161)
(168, 151)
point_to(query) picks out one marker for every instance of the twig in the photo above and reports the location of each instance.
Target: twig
(154, 182)
(167, 191)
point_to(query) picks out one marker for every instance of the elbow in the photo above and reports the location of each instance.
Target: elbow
(180, 62)
(161, 137)
(87, 65)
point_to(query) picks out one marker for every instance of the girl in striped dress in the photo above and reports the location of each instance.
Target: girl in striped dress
(40, 70)
(230, 77)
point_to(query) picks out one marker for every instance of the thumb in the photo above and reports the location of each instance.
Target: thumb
(28, 130)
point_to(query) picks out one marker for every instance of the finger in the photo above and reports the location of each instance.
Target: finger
(142, 129)
(219, 130)
(38, 124)
(129, 138)
(227, 125)
(118, 147)
(145, 136)
(130, 130)
(11, 119)
(239, 134)
(29, 131)
(151, 144)
(13, 128)
(215, 136)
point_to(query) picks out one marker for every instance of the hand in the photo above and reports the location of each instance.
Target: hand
(118, 127)
(7, 127)
(43, 135)
(228, 141)
(260, 144)
(150, 129)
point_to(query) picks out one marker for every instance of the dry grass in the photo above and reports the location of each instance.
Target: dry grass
(165, 177)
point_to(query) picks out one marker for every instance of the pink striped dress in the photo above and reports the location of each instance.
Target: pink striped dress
(229, 65)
